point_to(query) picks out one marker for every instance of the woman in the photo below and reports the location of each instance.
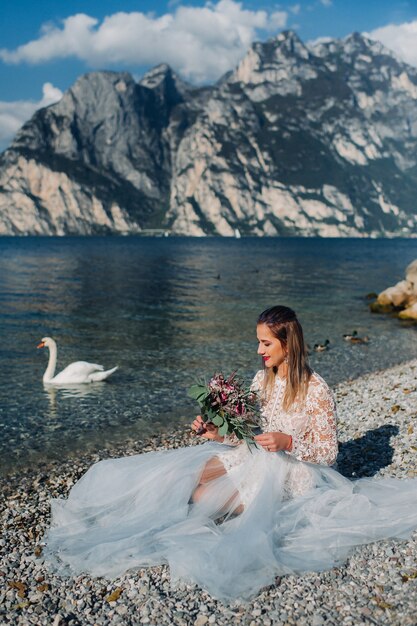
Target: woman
(298, 410)
(226, 517)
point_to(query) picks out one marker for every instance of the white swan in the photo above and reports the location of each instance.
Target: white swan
(74, 373)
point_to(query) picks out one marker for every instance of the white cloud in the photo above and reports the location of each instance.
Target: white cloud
(326, 3)
(401, 38)
(14, 114)
(200, 42)
(295, 8)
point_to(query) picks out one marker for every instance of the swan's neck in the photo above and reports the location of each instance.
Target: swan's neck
(50, 370)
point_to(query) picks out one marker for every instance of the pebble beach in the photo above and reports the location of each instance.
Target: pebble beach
(377, 585)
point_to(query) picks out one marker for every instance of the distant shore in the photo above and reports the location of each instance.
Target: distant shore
(378, 435)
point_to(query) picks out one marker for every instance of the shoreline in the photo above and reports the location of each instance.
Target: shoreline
(129, 445)
(378, 584)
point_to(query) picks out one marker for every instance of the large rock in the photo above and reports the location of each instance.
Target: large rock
(398, 295)
(297, 140)
(402, 295)
(411, 274)
(410, 313)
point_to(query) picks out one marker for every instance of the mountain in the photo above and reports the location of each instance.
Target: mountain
(297, 140)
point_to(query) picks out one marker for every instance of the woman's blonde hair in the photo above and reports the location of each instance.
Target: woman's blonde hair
(284, 325)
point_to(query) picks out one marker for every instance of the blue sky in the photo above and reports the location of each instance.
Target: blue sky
(46, 45)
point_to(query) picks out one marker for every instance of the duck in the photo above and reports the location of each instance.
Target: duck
(321, 347)
(364, 339)
(354, 338)
(75, 373)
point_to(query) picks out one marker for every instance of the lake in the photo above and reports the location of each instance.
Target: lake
(168, 311)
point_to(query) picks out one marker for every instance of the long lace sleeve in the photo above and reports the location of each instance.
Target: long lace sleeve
(317, 442)
(256, 384)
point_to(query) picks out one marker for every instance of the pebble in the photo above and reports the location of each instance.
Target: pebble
(122, 610)
(377, 584)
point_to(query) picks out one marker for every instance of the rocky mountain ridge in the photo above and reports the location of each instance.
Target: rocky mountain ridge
(297, 140)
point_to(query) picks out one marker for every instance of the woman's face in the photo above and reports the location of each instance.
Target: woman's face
(270, 348)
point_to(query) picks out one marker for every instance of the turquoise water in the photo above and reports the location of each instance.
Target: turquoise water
(167, 311)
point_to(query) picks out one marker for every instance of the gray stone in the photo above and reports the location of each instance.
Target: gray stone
(343, 595)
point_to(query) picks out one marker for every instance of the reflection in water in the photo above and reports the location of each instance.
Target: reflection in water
(51, 392)
(168, 311)
(55, 393)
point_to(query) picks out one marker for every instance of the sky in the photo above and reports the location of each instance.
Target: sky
(45, 45)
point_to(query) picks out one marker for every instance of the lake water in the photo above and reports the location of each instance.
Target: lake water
(168, 311)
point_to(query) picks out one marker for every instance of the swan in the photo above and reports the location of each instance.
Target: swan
(74, 373)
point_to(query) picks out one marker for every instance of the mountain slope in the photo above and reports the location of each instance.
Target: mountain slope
(297, 140)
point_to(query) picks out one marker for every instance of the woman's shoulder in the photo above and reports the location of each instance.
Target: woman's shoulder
(317, 384)
(257, 380)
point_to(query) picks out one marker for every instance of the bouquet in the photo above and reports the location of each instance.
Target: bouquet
(229, 405)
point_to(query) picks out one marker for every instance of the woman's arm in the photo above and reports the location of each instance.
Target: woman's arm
(318, 442)
(275, 441)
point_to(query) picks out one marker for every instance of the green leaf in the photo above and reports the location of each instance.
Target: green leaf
(250, 442)
(211, 414)
(223, 429)
(197, 392)
(218, 420)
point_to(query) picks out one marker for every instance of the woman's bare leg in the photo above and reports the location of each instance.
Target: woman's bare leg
(213, 469)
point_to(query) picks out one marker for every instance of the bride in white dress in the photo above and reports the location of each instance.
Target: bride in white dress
(227, 517)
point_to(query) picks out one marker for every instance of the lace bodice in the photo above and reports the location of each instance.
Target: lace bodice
(312, 423)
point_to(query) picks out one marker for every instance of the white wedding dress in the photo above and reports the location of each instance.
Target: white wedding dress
(299, 514)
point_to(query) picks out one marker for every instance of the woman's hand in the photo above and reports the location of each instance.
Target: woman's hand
(210, 430)
(273, 442)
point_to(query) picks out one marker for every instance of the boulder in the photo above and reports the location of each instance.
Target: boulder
(410, 313)
(398, 295)
(411, 275)
(400, 299)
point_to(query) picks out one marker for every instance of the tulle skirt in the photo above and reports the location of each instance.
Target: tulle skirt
(249, 526)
